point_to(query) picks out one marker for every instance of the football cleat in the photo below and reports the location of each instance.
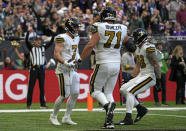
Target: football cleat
(43, 107)
(28, 107)
(109, 107)
(67, 120)
(126, 121)
(108, 126)
(142, 111)
(53, 120)
(109, 112)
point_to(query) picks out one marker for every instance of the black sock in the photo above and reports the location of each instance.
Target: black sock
(128, 115)
(138, 106)
(106, 107)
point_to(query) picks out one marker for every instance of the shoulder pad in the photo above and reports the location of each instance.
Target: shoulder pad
(150, 49)
(59, 39)
(93, 28)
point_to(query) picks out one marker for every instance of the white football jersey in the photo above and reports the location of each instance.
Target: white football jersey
(69, 52)
(111, 36)
(145, 66)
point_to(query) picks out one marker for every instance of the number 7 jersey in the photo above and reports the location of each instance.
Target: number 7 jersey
(107, 50)
(70, 51)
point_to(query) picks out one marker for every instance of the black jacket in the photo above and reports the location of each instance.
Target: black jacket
(176, 69)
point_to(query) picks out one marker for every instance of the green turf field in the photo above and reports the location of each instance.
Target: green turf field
(90, 120)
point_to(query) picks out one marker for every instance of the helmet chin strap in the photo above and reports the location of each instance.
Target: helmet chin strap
(142, 42)
(74, 35)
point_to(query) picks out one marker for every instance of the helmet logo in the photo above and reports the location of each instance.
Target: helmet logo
(70, 22)
(141, 33)
(109, 15)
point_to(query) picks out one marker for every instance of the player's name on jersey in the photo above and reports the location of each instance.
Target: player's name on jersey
(113, 27)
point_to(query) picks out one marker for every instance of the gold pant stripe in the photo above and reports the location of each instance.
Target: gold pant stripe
(140, 85)
(93, 79)
(62, 87)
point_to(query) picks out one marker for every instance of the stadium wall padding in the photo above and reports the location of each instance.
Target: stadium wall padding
(14, 84)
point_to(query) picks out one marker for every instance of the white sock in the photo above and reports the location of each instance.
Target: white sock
(57, 105)
(70, 104)
(109, 97)
(129, 103)
(100, 97)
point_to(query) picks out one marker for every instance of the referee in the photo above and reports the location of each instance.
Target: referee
(37, 68)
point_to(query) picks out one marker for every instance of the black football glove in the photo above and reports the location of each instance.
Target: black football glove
(158, 85)
(77, 62)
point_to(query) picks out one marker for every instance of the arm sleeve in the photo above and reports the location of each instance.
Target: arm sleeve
(28, 44)
(48, 44)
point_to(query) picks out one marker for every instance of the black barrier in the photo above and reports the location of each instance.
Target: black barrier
(173, 43)
(5, 45)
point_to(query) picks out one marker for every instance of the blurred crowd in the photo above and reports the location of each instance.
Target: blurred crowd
(165, 17)
(158, 17)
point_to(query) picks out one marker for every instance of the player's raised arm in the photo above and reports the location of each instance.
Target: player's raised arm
(93, 41)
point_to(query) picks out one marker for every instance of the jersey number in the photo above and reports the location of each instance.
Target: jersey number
(141, 61)
(111, 35)
(74, 48)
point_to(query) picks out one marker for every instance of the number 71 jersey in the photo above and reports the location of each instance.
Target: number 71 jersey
(111, 37)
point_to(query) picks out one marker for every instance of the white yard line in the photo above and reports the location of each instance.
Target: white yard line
(179, 116)
(94, 109)
(150, 114)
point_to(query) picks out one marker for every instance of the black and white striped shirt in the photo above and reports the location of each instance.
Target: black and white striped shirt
(37, 54)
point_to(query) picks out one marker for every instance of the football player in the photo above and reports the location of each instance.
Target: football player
(107, 37)
(66, 52)
(145, 73)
